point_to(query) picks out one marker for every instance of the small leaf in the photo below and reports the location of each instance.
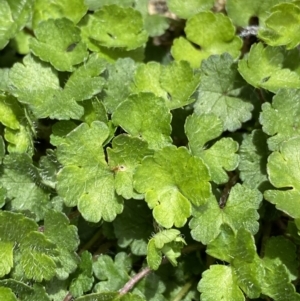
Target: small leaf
(58, 42)
(283, 170)
(265, 68)
(120, 76)
(172, 179)
(274, 34)
(134, 232)
(219, 157)
(13, 15)
(210, 41)
(253, 159)
(106, 28)
(37, 257)
(223, 92)
(65, 237)
(24, 185)
(83, 278)
(239, 212)
(86, 180)
(112, 274)
(281, 118)
(55, 9)
(282, 251)
(186, 9)
(146, 116)
(7, 295)
(220, 283)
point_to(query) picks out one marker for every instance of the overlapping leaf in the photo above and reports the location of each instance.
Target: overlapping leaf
(47, 99)
(253, 159)
(219, 157)
(106, 28)
(65, 237)
(175, 82)
(265, 68)
(146, 116)
(58, 42)
(240, 11)
(281, 118)
(210, 41)
(172, 180)
(83, 278)
(55, 9)
(117, 88)
(222, 91)
(112, 274)
(167, 242)
(186, 9)
(13, 17)
(283, 170)
(240, 212)
(86, 180)
(25, 188)
(274, 34)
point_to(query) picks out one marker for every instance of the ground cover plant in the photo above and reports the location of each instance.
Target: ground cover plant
(150, 150)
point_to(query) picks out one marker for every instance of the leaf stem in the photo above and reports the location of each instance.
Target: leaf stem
(91, 242)
(68, 297)
(184, 290)
(136, 278)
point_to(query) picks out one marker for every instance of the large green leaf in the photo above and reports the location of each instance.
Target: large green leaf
(85, 179)
(223, 92)
(217, 36)
(172, 180)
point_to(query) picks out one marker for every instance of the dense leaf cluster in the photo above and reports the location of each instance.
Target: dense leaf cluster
(149, 150)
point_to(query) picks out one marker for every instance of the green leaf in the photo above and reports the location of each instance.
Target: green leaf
(265, 68)
(58, 42)
(24, 291)
(222, 91)
(220, 283)
(282, 251)
(172, 179)
(7, 295)
(240, 212)
(94, 109)
(276, 283)
(120, 77)
(274, 34)
(281, 118)
(186, 9)
(55, 9)
(167, 242)
(24, 185)
(95, 4)
(21, 42)
(114, 26)
(241, 11)
(83, 280)
(156, 25)
(112, 274)
(65, 237)
(283, 170)
(60, 130)
(217, 36)
(219, 157)
(37, 257)
(6, 261)
(134, 232)
(4, 79)
(47, 98)
(86, 180)
(10, 110)
(175, 82)
(126, 154)
(14, 14)
(146, 116)
(253, 159)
